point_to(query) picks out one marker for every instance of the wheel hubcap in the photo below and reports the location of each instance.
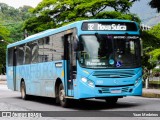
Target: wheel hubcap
(62, 95)
(22, 93)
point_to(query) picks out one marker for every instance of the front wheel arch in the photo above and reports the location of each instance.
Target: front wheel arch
(58, 82)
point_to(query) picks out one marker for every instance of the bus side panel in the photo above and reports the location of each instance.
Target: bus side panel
(23, 73)
(46, 79)
(48, 73)
(40, 78)
(10, 83)
(34, 79)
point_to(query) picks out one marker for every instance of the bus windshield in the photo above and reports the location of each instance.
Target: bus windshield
(109, 51)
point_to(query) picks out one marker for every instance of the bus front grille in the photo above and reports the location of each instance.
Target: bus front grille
(114, 74)
(120, 90)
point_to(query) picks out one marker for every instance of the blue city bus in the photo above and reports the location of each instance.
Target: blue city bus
(99, 58)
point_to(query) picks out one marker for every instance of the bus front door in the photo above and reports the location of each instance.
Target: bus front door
(69, 64)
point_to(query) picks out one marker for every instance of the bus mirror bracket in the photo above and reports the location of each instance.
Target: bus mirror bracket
(80, 46)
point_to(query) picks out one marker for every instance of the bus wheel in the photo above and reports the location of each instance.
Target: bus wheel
(23, 91)
(63, 101)
(111, 100)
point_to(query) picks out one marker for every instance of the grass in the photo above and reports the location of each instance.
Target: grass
(154, 82)
(151, 95)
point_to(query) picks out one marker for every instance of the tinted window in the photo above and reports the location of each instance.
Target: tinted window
(34, 51)
(47, 51)
(28, 52)
(21, 54)
(107, 51)
(10, 57)
(58, 46)
(40, 51)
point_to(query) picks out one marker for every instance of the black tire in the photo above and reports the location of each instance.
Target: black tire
(111, 100)
(23, 91)
(64, 102)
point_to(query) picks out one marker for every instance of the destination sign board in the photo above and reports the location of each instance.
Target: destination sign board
(109, 26)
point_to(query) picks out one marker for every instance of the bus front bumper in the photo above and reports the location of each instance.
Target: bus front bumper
(84, 91)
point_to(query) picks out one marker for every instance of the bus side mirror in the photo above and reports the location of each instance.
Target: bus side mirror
(141, 45)
(80, 47)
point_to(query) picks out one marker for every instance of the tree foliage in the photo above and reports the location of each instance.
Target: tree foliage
(13, 20)
(11, 23)
(155, 4)
(53, 13)
(3, 55)
(4, 32)
(151, 44)
(155, 39)
(4, 35)
(155, 54)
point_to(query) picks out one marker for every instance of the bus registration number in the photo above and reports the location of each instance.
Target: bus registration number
(116, 91)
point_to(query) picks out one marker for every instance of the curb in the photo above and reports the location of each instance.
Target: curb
(3, 82)
(151, 93)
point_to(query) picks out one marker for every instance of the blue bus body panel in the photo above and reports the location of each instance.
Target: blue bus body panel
(39, 78)
(10, 78)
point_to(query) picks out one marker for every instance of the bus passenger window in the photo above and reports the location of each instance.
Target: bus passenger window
(21, 56)
(40, 50)
(27, 54)
(57, 47)
(47, 50)
(34, 47)
(10, 57)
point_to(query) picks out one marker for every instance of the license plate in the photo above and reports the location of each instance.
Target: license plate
(116, 91)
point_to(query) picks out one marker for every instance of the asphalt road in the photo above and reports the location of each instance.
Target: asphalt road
(88, 109)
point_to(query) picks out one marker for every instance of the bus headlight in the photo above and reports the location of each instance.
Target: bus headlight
(84, 79)
(137, 81)
(90, 83)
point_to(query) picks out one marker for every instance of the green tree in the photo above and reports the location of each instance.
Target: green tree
(155, 32)
(148, 64)
(53, 13)
(151, 39)
(16, 31)
(4, 32)
(3, 56)
(151, 44)
(13, 19)
(155, 54)
(155, 4)
(11, 23)
(4, 35)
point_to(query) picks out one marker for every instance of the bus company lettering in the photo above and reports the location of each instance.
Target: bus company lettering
(92, 63)
(112, 27)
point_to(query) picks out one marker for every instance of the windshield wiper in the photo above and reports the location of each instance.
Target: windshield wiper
(99, 38)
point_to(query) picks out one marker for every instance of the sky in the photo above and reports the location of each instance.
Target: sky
(148, 15)
(20, 3)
